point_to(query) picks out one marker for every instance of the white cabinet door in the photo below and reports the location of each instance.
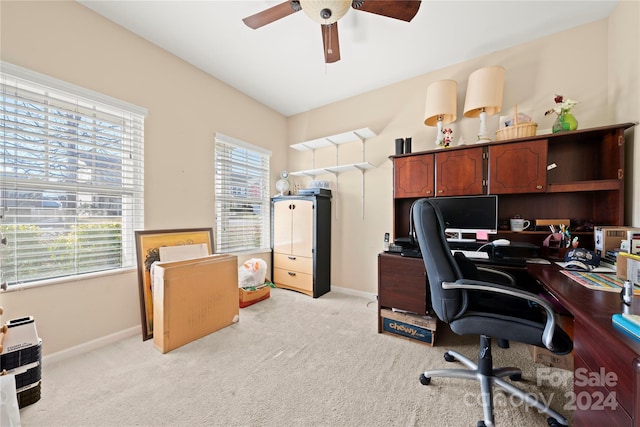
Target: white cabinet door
(302, 228)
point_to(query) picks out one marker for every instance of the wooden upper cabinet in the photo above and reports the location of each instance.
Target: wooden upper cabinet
(413, 176)
(459, 172)
(518, 168)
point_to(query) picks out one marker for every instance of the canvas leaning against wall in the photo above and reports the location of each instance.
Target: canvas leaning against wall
(148, 244)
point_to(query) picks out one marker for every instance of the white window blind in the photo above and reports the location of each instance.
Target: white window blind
(71, 185)
(242, 195)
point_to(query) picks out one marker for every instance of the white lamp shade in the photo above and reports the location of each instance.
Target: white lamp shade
(484, 91)
(441, 102)
(314, 8)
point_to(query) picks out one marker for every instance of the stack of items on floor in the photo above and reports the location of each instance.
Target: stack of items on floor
(20, 367)
(252, 283)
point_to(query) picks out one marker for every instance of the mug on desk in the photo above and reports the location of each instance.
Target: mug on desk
(519, 224)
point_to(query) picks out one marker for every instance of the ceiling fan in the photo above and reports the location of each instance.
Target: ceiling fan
(328, 12)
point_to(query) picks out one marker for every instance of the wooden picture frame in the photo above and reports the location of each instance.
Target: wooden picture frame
(148, 243)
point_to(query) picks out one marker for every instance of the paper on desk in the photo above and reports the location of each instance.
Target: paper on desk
(538, 261)
(600, 269)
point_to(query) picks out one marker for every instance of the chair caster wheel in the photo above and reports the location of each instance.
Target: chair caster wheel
(481, 424)
(515, 377)
(554, 423)
(448, 357)
(425, 380)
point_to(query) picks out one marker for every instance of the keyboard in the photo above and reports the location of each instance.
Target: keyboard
(472, 254)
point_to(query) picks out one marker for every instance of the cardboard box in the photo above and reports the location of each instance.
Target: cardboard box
(193, 298)
(545, 357)
(628, 267)
(410, 326)
(610, 237)
(248, 297)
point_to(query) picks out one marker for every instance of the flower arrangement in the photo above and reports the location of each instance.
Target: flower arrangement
(563, 106)
(565, 120)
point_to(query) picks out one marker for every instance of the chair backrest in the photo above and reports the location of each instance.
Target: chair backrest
(438, 261)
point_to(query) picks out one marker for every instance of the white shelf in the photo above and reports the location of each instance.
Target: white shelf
(330, 141)
(334, 169)
(334, 141)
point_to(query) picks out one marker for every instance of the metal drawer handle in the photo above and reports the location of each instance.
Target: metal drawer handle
(290, 273)
(292, 258)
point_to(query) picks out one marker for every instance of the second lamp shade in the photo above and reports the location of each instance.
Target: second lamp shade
(484, 91)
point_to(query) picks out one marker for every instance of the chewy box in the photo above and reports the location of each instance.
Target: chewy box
(193, 298)
(409, 326)
(249, 297)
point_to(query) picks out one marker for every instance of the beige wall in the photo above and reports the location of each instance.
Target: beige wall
(186, 107)
(624, 93)
(595, 63)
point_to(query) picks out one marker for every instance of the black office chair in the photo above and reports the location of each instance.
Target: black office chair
(490, 310)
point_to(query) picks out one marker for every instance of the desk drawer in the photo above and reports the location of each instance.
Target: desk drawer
(293, 262)
(596, 406)
(293, 279)
(596, 352)
(402, 283)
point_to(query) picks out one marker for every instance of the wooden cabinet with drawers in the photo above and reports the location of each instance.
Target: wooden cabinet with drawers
(301, 242)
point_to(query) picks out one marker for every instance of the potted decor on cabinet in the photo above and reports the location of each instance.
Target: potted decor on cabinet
(565, 120)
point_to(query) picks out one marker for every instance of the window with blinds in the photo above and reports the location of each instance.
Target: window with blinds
(71, 184)
(242, 196)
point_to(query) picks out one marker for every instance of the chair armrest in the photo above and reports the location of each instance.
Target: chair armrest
(550, 325)
(502, 276)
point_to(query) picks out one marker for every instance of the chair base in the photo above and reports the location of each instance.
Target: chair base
(489, 377)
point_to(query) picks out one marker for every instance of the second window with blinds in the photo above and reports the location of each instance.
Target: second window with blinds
(241, 195)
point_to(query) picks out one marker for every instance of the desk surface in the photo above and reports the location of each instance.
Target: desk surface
(592, 306)
(598, 348)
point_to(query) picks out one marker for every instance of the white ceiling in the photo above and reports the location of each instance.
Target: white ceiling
(282, 64)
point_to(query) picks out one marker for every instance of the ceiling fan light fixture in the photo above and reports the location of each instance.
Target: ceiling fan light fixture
(325, 12)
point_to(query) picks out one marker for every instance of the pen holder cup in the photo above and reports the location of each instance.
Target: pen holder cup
(554, 247)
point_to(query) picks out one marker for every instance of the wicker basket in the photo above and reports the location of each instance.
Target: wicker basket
(517, 130)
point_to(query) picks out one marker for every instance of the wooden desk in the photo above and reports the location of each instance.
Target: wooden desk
(601, 352)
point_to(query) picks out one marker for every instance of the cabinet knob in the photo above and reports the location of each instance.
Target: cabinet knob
(291, 273)
(440, 191)
(538, 187)
(292, 258)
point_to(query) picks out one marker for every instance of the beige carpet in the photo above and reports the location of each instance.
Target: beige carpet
(291, 360)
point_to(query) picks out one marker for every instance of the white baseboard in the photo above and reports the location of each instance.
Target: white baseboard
(353, 292)
(91, 345)
(117, 336)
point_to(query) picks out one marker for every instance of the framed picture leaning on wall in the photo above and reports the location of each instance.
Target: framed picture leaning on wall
(148, 244)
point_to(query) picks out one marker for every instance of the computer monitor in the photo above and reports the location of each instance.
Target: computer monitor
(468, 214)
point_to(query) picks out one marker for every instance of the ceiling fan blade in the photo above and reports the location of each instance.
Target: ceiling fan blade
(404, 10)
(330, 42)
(272, 14)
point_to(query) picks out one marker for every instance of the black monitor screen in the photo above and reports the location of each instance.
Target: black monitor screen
(469, 214)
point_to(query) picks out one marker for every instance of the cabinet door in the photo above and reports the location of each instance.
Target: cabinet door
(459, 172)
(518, 168)
(413, 176)
(282, 227)
(302, 228)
